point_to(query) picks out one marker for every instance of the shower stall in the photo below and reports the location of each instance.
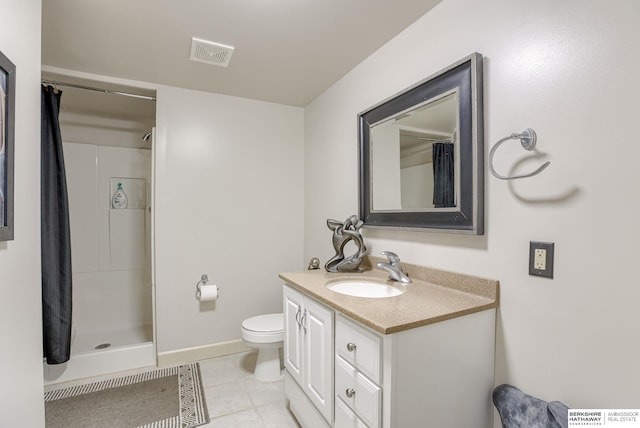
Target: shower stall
(108, 148)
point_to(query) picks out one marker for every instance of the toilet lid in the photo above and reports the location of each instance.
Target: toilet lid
(270, 322)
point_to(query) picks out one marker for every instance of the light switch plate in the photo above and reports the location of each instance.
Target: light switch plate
(541, 259)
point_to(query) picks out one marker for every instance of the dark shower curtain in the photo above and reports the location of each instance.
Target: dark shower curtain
(56, 237)
(443, 176)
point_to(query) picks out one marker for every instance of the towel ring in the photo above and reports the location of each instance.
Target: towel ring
(528, 140)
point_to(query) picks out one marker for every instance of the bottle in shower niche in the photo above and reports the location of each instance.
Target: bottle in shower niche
(119, 200)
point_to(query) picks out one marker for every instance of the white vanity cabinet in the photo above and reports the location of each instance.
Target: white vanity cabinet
(421, 359)
(439, 375)
(308, 358)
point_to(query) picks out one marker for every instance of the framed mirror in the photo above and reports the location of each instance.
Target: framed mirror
(421, 154)
(7, 127)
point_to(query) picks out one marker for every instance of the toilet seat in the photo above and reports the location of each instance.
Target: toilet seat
(264, 328)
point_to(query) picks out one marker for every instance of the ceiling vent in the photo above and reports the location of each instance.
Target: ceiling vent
(210, 52)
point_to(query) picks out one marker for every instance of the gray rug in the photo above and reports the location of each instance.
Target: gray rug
(166, 398)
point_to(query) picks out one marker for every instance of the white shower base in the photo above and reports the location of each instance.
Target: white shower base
(129, 349)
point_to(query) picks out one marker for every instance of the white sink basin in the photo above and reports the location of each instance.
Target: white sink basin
(370, 289)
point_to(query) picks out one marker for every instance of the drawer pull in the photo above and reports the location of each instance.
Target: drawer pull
(350, 392)
(351, 347)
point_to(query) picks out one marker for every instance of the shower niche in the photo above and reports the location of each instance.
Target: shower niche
(110, 248)
(128, 233)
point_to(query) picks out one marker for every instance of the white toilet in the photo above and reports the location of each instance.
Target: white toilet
(266, 334)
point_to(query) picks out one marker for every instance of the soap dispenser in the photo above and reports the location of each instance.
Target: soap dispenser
(119, 200)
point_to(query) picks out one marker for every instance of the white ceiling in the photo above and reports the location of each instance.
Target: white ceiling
(286, 51)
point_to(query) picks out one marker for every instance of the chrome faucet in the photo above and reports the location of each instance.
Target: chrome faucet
(396, 272)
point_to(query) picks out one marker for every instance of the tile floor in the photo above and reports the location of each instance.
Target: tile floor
(234, 398)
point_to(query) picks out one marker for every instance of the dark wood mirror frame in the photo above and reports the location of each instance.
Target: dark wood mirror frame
(7, 124)
(468, 216)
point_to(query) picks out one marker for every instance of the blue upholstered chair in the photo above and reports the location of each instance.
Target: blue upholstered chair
(519, 410)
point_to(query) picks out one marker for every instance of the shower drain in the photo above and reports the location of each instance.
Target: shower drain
(102, 346)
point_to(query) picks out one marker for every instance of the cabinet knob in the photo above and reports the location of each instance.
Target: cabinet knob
(351, 347)
(350, 392)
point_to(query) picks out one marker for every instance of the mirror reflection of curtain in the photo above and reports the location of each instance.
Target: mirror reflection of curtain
(56, 235)
(443, 175)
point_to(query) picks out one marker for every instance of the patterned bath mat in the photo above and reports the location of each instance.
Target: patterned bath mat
(166, 398)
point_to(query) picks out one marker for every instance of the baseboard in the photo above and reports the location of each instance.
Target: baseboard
(187, 355)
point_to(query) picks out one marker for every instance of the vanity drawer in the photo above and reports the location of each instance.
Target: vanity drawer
(345, 418)
(359, 347)
(358, 392)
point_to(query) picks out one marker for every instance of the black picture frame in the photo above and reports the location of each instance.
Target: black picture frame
(7, 136)
(468, 217)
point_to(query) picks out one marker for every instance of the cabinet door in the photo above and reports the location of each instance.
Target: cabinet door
(318, 355)
(293, 334)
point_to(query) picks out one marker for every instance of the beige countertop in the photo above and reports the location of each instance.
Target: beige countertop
(433, 296)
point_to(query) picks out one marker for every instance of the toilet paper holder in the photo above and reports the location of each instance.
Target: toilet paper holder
(204, 279)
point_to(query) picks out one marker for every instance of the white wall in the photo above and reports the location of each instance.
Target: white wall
(569, 70)
(385, 164)
(229, 198)
(21, 402)
(415, 179)
(91, 128)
